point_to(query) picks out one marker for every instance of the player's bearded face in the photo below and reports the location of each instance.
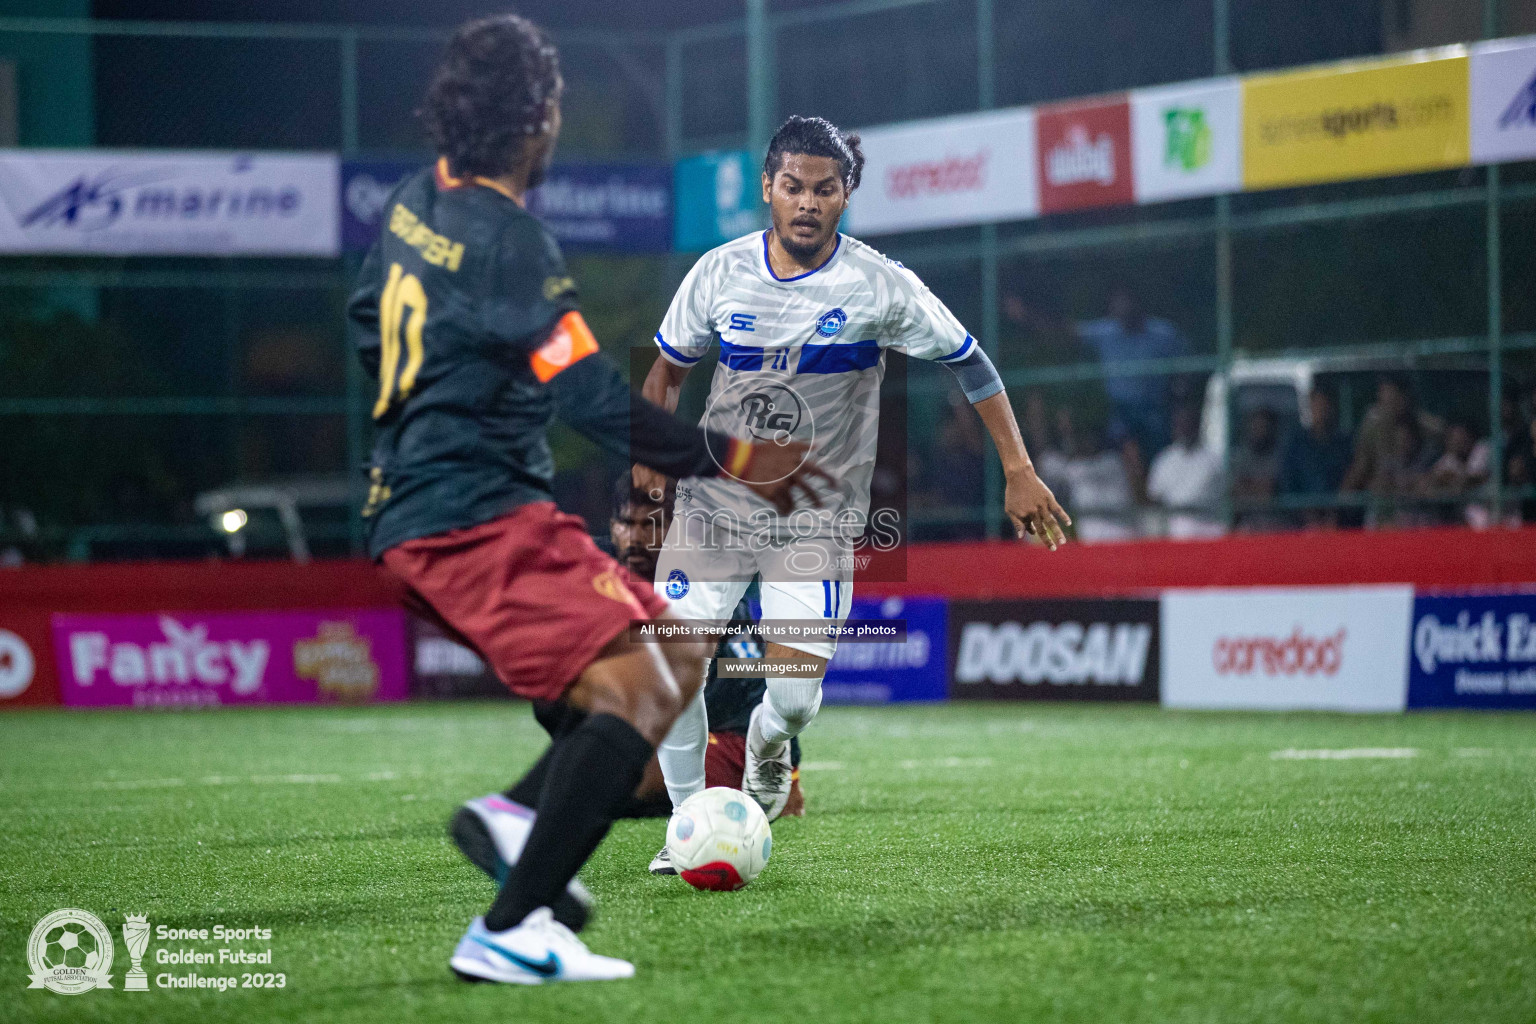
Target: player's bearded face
(806, 199)
(637, 537)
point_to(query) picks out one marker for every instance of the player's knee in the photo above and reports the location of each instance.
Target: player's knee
(795, 700)
(639, 688)
(688, 663)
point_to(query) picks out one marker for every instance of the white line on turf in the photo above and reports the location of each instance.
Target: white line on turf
(1347, 754)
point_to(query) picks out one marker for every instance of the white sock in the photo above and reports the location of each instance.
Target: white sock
(681, 754)
(788, 707)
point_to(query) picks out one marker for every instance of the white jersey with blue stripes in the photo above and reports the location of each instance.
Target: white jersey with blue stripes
(802, 357)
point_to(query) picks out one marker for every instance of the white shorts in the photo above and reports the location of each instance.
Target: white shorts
(801, 580)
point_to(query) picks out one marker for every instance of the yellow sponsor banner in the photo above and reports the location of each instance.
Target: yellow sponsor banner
(1366, 119)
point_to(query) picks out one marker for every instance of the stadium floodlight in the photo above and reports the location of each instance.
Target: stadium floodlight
(234, 520)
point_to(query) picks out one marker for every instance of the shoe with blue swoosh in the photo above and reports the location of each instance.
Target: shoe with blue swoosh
(491, 832)
(538, 951)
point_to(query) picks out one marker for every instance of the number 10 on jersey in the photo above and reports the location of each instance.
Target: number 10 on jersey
(401, 291)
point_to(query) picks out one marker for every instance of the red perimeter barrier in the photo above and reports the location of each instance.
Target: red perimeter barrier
(1425, 558)
(1428, 559)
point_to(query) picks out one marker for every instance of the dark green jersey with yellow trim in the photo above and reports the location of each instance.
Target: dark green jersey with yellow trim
(465, 316)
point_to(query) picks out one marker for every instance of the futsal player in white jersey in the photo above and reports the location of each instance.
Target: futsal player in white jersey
(803, 316)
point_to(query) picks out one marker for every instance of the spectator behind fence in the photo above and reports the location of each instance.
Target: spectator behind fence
(1099, 491)
(1377, 465)
(1256, 472)
(1315, 459)
(1186, 480)
(1139, 404)
(1459, 471)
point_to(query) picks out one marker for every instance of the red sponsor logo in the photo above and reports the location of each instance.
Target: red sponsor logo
(1084, 155)
(1297, 654)
(938, 177)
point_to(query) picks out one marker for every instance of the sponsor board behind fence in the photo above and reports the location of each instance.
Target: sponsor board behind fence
(1473, 651)
(909, 670)
(1319, 648)
(1504, 100)
(1376, 118)
(1081, 649)
(188, 659)
(1083, 151)
(973, 169)
(1187, 140)
(718, 198)
(103, 202)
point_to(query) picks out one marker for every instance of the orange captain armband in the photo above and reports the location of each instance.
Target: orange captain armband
(570, 342)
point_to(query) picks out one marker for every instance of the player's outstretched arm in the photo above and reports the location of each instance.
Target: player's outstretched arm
(1027, 500)
(663, 386)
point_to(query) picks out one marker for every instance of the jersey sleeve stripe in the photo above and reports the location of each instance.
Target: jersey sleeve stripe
(960, 353)
(673, 355)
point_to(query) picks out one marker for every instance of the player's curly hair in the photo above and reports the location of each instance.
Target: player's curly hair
(816, 136)
(490, 93)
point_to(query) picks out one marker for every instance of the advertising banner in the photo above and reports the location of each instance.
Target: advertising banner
(442, 667)
(1473, 651)
(192, 659)
(365, 188)
(1359, 120)
(1504, 100)
(102, 202)
(616, 207)
(974, 169)
(1318, 648)
(864, 673)
(1082, 649)
(719, 197)
(1084, 152)
(1187, 140)
(27, 676)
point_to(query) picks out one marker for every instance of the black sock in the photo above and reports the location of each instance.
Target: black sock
(591, 774)
(530, 787)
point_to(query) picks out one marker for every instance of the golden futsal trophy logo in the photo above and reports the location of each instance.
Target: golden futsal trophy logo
(136, 938)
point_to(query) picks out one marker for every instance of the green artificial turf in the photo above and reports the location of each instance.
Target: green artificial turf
(982, 862)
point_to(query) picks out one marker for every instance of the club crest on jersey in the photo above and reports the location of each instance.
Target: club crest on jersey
(830, 322)
(677, 584)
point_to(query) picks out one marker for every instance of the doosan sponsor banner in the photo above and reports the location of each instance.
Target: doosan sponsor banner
(169, 204)
(1398, 115)
(974, 169)
(1473, 651)
(1054, 650)
(1321, 648)
(1504, 100)
(1187, 140)
(1084, 152)
(190, 659)
(882, 673)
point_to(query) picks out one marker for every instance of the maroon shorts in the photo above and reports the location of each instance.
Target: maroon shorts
(529, 591)
(725, 759)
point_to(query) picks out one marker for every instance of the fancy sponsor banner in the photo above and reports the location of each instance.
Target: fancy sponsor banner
(1321, 648)
(365, 189)
(718, 198)
(617, 207)
(192, 659)
(1473, 651)
(1187, 140)
(1082, 649)
(1365, 119)
(910, 670)
(974, 169)
(1084, 153)
(1504, 100)
(90, 202)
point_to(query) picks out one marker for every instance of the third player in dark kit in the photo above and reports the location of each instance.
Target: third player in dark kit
(466, 316)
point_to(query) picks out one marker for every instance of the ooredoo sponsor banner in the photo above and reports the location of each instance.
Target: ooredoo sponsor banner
(1504, 100)
(1366, 119)
(26, 661)
(1473, 650)
(866, 673)
(1187, 140)
(1084, 152)
(974, 169)
(168, 204)
(190, 659)
(1321, 648)
(1054, 650)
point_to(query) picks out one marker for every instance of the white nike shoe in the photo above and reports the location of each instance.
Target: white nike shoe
(491, 831)
(661, 864)
(538, 951)
(766, 779)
